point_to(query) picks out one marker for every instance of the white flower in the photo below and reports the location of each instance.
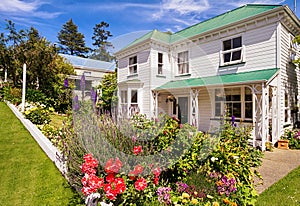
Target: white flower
(91, 197)
(213, 159)
(105, 204)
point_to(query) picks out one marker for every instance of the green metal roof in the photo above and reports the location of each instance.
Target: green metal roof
(227, 18)
(224, 19)
(243, 77)
(155, 34)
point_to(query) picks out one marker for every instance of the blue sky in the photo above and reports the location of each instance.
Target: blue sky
(127, 19)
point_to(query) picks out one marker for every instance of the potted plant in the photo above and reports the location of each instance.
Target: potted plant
(283, 142)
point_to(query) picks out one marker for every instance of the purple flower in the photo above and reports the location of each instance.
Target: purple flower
(75, 103)
(181, 186)
(164, 195)
(233, 120)
(66, 83)
(93, 95)
(82, 83)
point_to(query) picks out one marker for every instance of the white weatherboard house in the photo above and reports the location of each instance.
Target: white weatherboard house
(92, 69)
(239, 62)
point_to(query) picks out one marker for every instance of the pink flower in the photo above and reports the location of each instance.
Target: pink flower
(140, 184)
(156, 171)
(138, 169)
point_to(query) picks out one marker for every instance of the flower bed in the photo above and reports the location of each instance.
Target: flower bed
(144, 161)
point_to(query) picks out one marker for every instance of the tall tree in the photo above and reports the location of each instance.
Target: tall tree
(100, 37)
(71, 41)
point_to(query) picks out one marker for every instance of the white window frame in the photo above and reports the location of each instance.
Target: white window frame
(287, 108)
(223, 102)
(183, 62)
(160, 64)
(231, 51)
(132, 66)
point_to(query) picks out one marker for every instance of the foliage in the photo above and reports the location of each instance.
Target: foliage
(293, 135)
(108, 87)
(28, 176)
(71, 41)
(100, 37)
(11, 94)
(46, 70)
(226, 163)
(37, 114)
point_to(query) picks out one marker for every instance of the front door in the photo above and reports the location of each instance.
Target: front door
(183, 109)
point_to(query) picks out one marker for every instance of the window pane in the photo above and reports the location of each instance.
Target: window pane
(248, 94)
(218, 109)
(159, 69)
(236, 107)
(132, 60)
(160, 58)
(236, 55)
(248, 110)
(227, 57)
(237, 42)
(134, 96)
(226, 45)
(236, 97)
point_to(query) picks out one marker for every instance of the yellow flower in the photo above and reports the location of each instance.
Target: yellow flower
(209, 196)
(216, 204)
(185, 195)
(194, 201)
(233, 204)
(184, 201)
(226, 201)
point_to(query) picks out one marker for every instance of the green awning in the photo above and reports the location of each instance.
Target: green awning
(227, 79)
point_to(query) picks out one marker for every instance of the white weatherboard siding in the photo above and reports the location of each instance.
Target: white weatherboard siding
(123, 70)
(289, 76)
(205, 110)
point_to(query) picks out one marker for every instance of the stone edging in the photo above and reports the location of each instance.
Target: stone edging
(51, 151)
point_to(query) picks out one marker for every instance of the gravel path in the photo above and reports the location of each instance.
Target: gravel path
(276, 165)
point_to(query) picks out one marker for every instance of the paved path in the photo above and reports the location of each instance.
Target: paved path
(276, 165)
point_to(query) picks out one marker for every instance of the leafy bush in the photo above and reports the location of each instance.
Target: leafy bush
(37, 96)
(12, 94)
(293, 135)
(38, 115)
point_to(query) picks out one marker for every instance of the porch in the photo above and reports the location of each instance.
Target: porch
(251, 97)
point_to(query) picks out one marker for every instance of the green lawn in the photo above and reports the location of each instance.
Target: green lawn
(285, 192)
(27, 177)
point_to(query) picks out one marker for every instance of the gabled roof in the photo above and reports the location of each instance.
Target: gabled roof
(163, 37)
(89, 64)
(236, 78)
(224, 19)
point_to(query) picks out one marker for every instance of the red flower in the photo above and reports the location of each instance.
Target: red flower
(120, 185)
(155, 180)
(137, 150)
(138, 169)
(112, 166)
(88, 190)
(110, 192)
(90, 160)
(86, 168)
(132, 175)
(110, 177)
(140, 184)
(156, 171)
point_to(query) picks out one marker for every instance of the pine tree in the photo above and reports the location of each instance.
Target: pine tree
(71, 41)
(100, 37)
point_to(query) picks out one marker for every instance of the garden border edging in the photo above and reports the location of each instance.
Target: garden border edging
(51, 151)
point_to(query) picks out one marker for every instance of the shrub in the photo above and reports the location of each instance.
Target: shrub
(12, 94)
(293, 135)
(38, 115)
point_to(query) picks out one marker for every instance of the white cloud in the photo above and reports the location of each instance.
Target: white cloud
(14, 8)
(18, 6)
(243, 2)
(171, 8)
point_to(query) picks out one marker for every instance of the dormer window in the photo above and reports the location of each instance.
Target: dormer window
(232, 51)
(133, 65)
(183, 62)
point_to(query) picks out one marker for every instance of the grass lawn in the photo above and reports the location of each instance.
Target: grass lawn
(285, 192)
(27, 177)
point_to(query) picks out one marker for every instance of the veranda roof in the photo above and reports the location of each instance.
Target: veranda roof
(227, 79)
